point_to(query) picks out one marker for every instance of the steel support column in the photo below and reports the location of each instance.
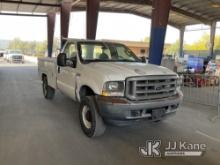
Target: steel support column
(50, 32)
(160, 15)
(65, 12)
(92, 12)
(212, 39)
(182, 31)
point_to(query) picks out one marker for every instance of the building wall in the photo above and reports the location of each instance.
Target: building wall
(140, 51)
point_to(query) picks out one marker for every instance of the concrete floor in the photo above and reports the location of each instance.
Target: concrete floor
(35, 131)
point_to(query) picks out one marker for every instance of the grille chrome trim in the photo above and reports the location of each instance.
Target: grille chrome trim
(17, 57)
(150, 87)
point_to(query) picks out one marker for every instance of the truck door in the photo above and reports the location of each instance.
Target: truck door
(66, 77)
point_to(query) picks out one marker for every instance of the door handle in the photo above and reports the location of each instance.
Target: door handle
(58, 69)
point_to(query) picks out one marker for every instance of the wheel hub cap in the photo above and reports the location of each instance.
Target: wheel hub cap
(86, 117)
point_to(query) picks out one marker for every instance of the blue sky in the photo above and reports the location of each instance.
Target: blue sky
(110, 26)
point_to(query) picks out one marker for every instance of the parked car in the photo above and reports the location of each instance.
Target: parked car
(2, 53)
(14, 56)
(111, 84)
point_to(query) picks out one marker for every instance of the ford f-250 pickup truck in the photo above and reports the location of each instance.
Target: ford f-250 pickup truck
(111, 84)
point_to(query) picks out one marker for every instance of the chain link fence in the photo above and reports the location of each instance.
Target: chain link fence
(201, 89)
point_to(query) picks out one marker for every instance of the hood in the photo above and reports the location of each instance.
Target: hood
(15, 54)
(122, 70)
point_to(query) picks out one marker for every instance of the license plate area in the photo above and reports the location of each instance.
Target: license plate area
(157, 114)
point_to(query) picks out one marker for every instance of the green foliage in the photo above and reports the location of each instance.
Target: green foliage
(172, 49)
(201, 45)
(217, 43)
(204, 43)
(33, 48)
(146, 39)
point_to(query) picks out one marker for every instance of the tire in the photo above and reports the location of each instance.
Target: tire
(91, 122)
(48, 91)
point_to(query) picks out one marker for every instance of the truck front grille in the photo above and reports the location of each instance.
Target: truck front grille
(17, 57)
(150, 87)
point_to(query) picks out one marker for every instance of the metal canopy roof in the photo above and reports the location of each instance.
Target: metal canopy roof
(183, 12)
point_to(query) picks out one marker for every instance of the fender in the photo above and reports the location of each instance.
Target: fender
(82, 81)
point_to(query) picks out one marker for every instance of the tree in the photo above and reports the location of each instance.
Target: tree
(15, 44)
(217, 42)
(173, 48)
(41, 48)
(33, 48)
(202, 44)
(146, 39)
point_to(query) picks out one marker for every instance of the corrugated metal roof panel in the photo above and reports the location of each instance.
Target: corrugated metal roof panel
(183, 12)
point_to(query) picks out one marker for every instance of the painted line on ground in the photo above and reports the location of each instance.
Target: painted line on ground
(208, 136)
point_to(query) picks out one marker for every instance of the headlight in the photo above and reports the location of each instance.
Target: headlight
(113, 88)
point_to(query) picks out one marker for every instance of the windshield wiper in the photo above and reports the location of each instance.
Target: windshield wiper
(126, 60)
(100, 60)
(95, 60)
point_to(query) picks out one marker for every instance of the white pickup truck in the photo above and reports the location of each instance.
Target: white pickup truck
(111, 84)
(14, 56)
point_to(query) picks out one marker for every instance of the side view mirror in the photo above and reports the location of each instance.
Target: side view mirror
(143, 59)
(61, 59)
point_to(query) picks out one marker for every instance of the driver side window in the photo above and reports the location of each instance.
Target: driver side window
(71, 55)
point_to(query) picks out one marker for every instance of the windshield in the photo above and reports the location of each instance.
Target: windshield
(105, 52)
(14, 52)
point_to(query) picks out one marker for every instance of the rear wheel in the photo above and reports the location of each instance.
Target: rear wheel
(91, 122)
(48, 91)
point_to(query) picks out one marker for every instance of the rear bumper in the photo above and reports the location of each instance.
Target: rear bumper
(119, 110)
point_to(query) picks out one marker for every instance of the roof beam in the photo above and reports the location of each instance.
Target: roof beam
(189, 14)
(35, 8)
(18, 6)
(173, 8)
(25, 15)
(195, 7)
(140, 2)
(30, 3)
(125, 12)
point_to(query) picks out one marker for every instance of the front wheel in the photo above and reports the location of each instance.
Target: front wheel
(48, 91)
(91, 122)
